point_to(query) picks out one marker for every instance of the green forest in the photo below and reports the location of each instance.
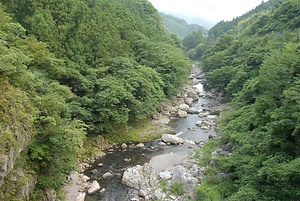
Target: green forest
(254, 61)
(74, 67)
(179, 26)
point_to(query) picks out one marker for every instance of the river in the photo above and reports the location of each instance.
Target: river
(117, 160)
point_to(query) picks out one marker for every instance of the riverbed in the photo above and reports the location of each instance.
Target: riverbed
(117, 159)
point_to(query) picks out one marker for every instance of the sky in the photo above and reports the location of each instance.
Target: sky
(211, 11)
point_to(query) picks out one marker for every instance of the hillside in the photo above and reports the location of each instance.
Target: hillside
(254, 62)
(73, 67)
(180, 27)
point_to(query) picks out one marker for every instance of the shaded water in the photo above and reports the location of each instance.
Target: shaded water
(114, 161)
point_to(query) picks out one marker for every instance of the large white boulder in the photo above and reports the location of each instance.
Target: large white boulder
(140, 177)
(94, 187)
(182, 113)
(80, 196)
(184, 107)
(189, 101)
(168, 138)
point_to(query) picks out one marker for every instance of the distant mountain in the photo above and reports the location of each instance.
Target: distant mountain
(180, 27)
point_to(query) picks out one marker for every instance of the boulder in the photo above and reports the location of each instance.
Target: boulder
(203, 114)
(181, 114)
(80, 196)
(193, 110)
(165, 175)
(94, 187)
(168, 138)
(94, 171)
(189, 101)
(140, 145)
(124, 146)
(159, 194)
(107, 175)
(184, 107)
(183, 176)
(162, 144)
(140, 177)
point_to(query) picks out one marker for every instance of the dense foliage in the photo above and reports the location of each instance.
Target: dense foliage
(34, 113)
(255, 63)
(71, 67)
(194, 45)
(114, 55)
(180, 27)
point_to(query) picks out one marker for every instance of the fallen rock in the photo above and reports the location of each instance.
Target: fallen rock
(189, 101)
(203, 114)
(124, 146)
(80, 197)
(127, 159)
(102, 190)
(107, 175)
(182, 113)
(165, 175)
(140, 145)
(168, 138)
(193, 110)
(183, 176)
(94, 187)
(184, 107)
(143, 193)
(162, 144)
(159, 194)
(140, 177)
(94, 171)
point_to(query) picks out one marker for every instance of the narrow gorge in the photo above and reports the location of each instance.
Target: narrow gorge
(136, 171)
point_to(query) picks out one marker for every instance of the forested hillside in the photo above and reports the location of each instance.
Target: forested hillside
(71, 67)
(180, 27)
(254, 61)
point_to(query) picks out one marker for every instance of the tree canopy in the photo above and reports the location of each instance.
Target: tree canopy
(254, 62)
(72, 67)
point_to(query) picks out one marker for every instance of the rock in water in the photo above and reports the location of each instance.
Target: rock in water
(168, 138)
(107, 175)
(182, 114)
(94, 187)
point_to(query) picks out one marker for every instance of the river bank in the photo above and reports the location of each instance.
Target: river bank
(189, 115)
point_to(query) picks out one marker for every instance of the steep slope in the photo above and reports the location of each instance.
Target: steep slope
(38, 139)
(74, 67)
(254, 61)
(106, 47)
(180, 27)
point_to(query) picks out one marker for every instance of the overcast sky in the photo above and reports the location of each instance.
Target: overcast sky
(209, 10)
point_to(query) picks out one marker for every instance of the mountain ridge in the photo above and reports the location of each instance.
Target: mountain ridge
(179, 26)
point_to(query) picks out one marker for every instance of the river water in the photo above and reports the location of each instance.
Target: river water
(116, 161)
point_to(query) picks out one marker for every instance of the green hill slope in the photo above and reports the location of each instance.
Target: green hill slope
(180, 27)
(74, 67)
(254, 62)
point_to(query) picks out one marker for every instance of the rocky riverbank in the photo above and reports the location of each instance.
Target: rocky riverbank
(172, 176)
(172, 170)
